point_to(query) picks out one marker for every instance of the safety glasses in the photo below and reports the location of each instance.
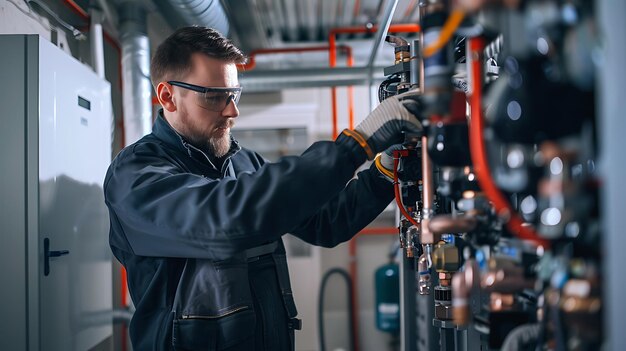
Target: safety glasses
(212, 99)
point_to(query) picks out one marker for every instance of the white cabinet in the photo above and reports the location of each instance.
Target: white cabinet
(56, 146)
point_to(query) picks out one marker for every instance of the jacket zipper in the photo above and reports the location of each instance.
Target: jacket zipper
(227, 313)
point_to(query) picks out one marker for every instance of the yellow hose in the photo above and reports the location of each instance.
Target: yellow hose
(452, 23)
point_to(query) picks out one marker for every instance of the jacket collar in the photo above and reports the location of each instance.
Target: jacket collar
(166, 133)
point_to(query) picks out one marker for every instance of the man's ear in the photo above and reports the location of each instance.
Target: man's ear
(165, 94)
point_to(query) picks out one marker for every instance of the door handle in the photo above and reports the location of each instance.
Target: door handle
(47, 253)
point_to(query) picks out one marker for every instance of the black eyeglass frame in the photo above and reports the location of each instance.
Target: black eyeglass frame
(204, 90)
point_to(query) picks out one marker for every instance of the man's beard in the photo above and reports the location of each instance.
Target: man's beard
(219, 146)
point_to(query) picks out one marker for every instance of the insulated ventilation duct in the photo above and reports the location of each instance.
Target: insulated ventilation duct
(180, 13)
(135, 72)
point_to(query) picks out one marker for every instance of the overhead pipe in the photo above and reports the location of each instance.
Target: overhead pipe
(478, 150)
(274, 80)
(76, 9)
(251, 64)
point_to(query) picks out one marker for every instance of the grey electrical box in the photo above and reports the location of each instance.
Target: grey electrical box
(56, 146)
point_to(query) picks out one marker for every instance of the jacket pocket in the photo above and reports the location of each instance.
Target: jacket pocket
(233, 330)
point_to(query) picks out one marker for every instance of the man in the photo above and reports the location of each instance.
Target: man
(197, 220)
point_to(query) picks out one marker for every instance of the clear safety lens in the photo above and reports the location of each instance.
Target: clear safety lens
(218, 98)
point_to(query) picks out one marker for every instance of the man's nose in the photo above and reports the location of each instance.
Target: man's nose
(231, 109)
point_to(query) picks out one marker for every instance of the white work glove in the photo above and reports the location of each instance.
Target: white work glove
(384, 126)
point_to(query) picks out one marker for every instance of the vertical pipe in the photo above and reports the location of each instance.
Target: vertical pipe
(428, 195)
(414, 77)
(97, 42)
(332, 61)
(350, 63)
(136, 71)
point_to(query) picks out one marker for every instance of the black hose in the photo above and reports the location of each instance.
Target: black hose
(320, 306)
(383, 92)
(522, 338)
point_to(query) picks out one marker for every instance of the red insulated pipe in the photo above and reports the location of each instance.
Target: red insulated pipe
(76, 9)
(479, 151)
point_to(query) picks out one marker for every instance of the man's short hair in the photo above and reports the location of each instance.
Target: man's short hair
(172, 58)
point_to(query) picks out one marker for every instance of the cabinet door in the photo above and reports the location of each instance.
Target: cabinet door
(74, 152)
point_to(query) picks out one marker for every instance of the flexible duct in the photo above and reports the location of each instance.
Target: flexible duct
(135, 71)
(209, 13)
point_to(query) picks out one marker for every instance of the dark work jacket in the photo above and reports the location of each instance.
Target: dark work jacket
(181, 227)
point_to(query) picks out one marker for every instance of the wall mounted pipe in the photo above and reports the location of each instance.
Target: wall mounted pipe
(135, 71)
(96, 41)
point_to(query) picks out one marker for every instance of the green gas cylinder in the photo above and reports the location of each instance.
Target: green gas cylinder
(387, 284)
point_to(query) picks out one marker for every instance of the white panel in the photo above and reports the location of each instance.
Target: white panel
(74, 152)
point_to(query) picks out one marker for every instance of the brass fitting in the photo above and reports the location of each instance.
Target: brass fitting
(446, 257)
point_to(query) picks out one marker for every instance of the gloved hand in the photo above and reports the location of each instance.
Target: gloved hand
(384, 126)
(384, 161)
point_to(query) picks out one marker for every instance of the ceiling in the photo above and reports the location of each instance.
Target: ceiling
(259, 24)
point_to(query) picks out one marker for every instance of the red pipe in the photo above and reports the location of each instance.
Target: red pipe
(396, 189)
(251, 64)
(515, 224)
(76, 9)
(357, 8)
(379, 231)
(350, 97)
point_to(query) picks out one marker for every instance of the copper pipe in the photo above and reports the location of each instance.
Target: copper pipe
(505, 277)
(463, 284)
(427, 236)
(442, 224)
